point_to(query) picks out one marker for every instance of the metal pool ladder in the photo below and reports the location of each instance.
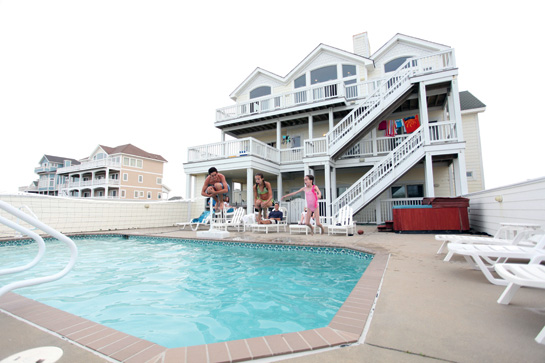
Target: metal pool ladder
(41, 248)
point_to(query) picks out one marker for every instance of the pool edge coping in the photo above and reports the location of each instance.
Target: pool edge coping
(346, 327)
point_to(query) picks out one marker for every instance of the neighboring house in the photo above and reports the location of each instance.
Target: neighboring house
(125, 172)
(48, 181)
(376, 130)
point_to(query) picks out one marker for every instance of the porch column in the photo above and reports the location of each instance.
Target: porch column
(429, 188)
(331, 121)
(278, 134)
(460, 176)
(310, 127)
(333, 183)
(279, 187)
(250, 191)
(423, 104)
(378, 211)
(223, 152)
(455, 111)
(307, 170)
(188, 195)
(374, 141)
(327, 176)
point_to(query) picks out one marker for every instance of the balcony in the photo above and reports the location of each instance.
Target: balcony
(45, 169)
(298, 97)
(89, 165)
(440, 132)
(90, 184)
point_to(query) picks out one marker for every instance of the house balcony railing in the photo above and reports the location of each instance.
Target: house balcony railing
(90, 183)
(440, 132)
(233, 148)
(95, 164)
(45, 169)
(297, 97)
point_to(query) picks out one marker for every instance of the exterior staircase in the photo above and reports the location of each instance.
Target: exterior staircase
(403, 157)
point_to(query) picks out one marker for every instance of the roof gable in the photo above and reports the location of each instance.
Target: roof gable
(319, 53)
(57, 159)
(130, 149)
(470, 102)
(409, 41)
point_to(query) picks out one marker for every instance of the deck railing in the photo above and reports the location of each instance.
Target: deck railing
(297, 97)
(90, 165)
(232, 149)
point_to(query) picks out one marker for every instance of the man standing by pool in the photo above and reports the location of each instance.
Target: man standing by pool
(215, 186)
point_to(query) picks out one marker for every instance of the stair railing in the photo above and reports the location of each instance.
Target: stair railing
(380, 171)
(41, 248)
(412, 66)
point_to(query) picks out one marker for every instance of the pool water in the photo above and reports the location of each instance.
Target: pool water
(180, 293)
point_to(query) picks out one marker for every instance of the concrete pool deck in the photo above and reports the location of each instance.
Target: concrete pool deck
(427, 309)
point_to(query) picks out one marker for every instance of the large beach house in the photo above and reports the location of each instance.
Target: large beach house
(376, 130)
(125, 172)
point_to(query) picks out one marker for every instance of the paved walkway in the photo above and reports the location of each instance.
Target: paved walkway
(427, 310)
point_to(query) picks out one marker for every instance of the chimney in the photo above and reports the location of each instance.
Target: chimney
(361, 44)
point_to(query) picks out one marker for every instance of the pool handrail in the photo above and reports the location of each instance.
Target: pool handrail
(45, 228)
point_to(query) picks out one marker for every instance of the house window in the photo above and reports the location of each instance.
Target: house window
(122, 193)
(139, 163)
(408, 191)
(67, 163)
(149, 195)
(99, 156)
(136, 193)
(159, 181)
(394, 64)
(126, 161)
(142, 194)
(349, 70)
(260, 92)
(159, 195)
(125, 176)
(300, 81)
(323, 74)
(114, 176)
(140, 178)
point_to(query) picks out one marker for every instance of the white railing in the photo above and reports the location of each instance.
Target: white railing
(380, 171)
(316, 147)
(294, 155)
(41, 248)
(386, 206)
(233, 148)
(90, 183)
(443, 131)
(90, 165)
(388, 91)
(299, 96)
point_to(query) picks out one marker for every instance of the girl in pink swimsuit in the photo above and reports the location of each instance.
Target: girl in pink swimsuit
(312, 194)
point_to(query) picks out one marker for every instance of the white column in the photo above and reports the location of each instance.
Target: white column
(333, 183)
(307, 170)
(375, 141)
(455, 112)
(279, 187)
(428, 187)
(378, 211)
(327, 176)
(250, 190)
(423, 104)
(460, 175)
(331, 120)
(278, 134)
(310, 127)
(188, 194)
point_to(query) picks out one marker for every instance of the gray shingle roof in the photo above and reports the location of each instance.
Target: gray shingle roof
(469, 102)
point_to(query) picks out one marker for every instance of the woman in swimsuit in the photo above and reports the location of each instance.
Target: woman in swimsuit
(312, 194)
(262, 194)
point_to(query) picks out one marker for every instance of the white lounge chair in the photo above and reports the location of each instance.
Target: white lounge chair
(195, 223)
(520, 239)
(484, 257)
(518, 275)
(344, 223)
(233, 220)
(504, 235)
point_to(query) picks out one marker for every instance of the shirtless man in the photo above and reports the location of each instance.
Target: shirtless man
(215, 186)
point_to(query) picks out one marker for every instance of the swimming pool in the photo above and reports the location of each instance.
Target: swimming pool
(184, 292)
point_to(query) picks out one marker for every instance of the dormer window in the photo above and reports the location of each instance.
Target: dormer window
(323, 74)
(99, 156)
(394, 64)
(260, 92)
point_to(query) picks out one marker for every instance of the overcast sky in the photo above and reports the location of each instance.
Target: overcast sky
(75, 74)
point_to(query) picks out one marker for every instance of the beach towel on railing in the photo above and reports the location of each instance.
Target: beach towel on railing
(390, 128)
(411, 123)
(400, 124)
